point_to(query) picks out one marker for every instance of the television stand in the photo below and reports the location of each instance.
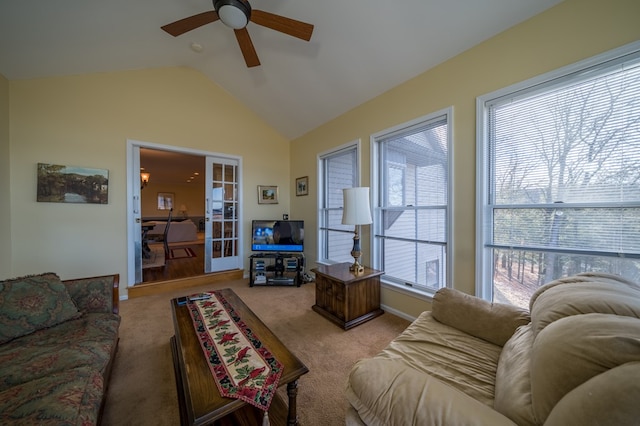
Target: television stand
(276, 269)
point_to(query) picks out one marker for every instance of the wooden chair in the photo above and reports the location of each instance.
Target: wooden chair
(164, 238)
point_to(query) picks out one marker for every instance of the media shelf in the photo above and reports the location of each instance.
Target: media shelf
(275, 269)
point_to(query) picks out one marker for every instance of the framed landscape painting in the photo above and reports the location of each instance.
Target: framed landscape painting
(267, 194)
(71, 184)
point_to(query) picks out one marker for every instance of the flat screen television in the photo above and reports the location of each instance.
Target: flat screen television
(277, 235)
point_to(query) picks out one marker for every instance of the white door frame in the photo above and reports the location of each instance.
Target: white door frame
(134, 208)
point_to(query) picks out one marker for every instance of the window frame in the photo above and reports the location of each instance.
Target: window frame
(377, 177)
(484, 211)
(323, 211)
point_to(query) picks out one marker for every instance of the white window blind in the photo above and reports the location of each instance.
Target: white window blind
(339, 169)
(563, 180)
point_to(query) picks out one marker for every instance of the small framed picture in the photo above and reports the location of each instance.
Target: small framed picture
(165, 200)
(267, 194)
(302, 186)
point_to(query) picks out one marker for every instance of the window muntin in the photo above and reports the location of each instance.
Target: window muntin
(562, 186)
(338, 170)
(411, 226)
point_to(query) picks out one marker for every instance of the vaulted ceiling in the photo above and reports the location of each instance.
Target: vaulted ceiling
(358, 50)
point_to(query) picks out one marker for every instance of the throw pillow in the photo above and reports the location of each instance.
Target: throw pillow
(30, 303)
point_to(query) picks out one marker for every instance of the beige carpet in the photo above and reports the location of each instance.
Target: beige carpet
(142, 389)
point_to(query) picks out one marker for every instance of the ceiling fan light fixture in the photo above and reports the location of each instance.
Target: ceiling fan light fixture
(233, 13)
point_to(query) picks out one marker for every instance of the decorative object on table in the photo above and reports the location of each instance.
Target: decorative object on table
(302, 186)
(356, 212)
(144, 179)
(70, 184)
(241, 365)
(183, 210)
(165, 200)
(267, 194)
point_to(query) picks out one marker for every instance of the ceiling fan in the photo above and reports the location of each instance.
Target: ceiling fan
(236, 14)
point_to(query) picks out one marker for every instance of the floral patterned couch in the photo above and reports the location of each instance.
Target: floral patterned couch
(58, 340)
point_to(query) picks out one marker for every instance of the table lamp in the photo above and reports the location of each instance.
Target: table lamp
(356, 212)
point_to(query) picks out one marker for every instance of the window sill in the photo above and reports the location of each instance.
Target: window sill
(426, 296)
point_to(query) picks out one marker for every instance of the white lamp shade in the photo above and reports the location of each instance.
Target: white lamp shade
(356, 206)
(183, 208)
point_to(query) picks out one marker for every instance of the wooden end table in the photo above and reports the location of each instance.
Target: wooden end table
(346, 298)
(200, 401)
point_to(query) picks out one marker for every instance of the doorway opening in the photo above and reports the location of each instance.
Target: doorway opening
(173, 194)
(175, 185)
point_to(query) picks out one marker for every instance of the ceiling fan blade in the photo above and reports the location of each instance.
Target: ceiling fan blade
(191, 23)
(288, 26)
(246, 46)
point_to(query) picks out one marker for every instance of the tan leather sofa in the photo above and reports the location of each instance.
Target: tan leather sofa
(575, 360)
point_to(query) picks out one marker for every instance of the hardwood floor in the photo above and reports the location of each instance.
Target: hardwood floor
(179, 274)
(177, 268)
(157, 287)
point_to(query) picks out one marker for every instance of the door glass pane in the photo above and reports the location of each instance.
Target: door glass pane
(224, 211)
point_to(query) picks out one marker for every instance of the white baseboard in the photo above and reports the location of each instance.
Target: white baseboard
(397, 313)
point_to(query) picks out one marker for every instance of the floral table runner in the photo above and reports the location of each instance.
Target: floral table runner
(240, 364)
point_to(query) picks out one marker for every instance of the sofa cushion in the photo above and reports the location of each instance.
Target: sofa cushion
(69, 398)
(92, 294)
(493, 322)
(32, 303)
(610, 398)
(87, 341)
(575, 349)
(513, 380)
(388, 392)
(453, 357)
(583, 294)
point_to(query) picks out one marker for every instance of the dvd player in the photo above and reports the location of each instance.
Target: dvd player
(280, 280)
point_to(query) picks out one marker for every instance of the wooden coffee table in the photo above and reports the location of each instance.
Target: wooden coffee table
(198, 396)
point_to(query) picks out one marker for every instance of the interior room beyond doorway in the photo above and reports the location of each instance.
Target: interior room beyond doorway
(176, 185)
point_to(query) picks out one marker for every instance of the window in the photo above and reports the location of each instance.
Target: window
(560, 178)
(338, 170)
(412, 165)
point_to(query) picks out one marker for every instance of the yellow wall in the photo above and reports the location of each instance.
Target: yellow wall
(85, 120)
(567, 33)
(5, 211)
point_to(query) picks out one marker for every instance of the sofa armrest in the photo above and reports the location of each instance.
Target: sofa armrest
(95, 294)
(493, 322)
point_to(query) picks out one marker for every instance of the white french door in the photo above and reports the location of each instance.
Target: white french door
(135, 211)
(222, 230)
